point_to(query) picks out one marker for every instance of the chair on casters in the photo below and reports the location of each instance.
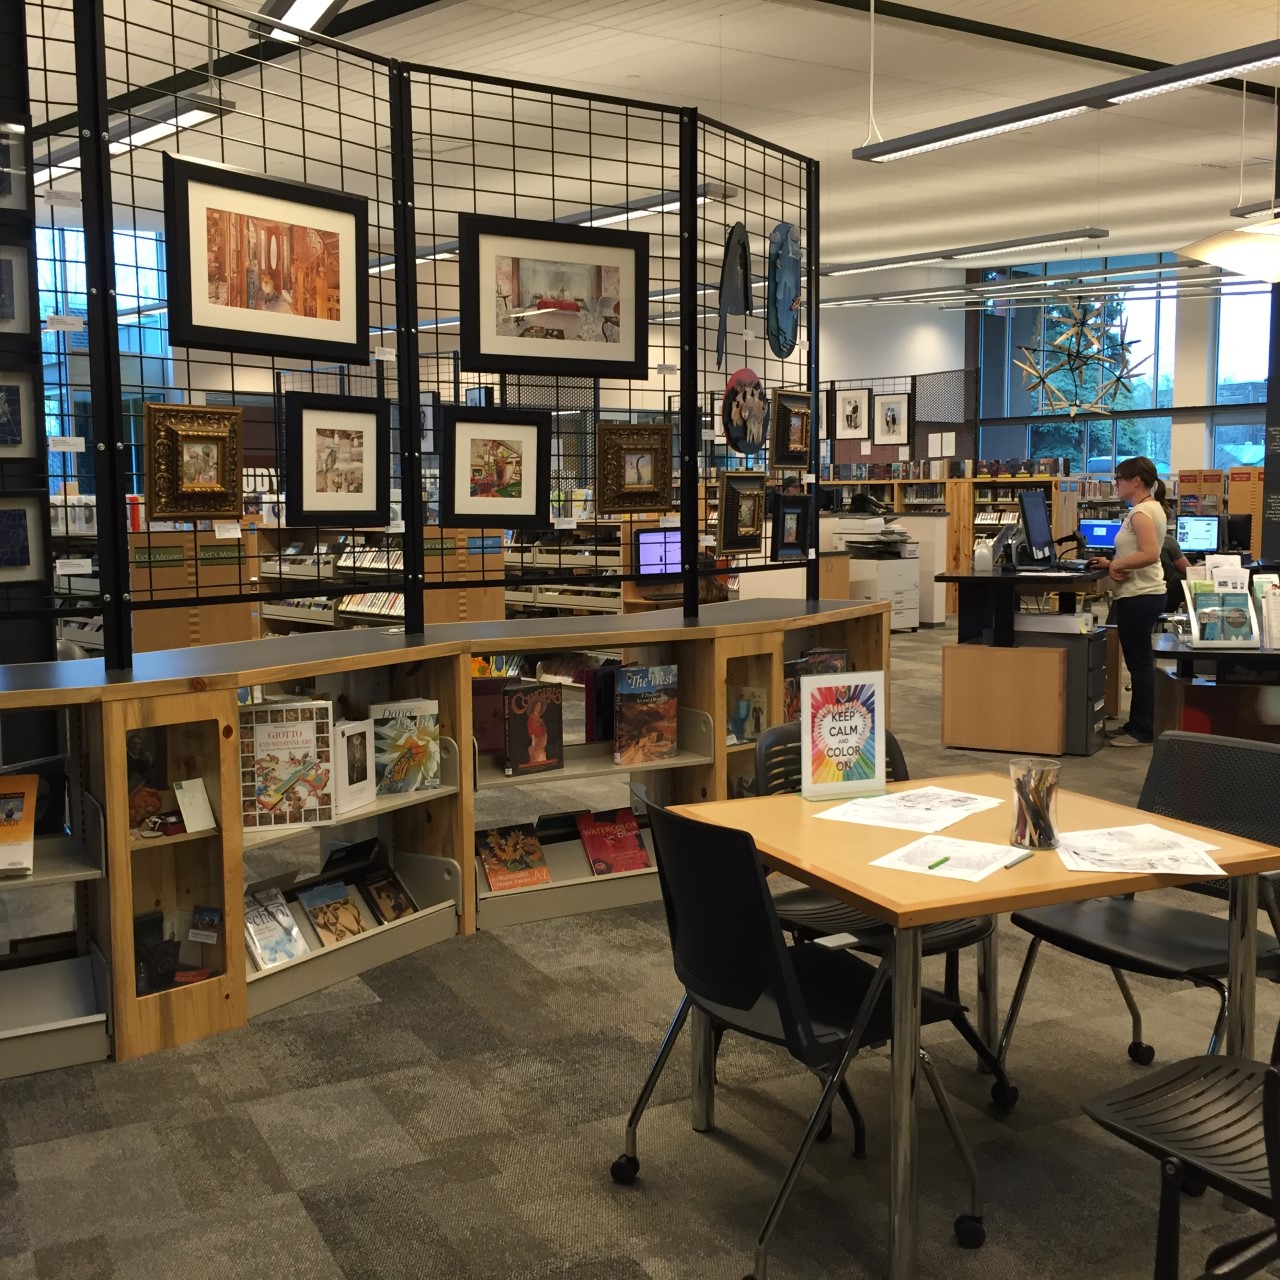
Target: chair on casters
(1214, 1121)
(1228, 784)
(820, 1004)
(810, 912)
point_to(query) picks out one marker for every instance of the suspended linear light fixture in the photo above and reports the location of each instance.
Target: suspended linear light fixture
(967, 251)
(303, 15)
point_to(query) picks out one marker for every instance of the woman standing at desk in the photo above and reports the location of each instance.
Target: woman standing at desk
(1139, 590)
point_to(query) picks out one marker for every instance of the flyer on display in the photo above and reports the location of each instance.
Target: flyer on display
(842, 734)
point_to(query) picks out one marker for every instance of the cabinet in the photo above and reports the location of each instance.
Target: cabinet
(896, 580)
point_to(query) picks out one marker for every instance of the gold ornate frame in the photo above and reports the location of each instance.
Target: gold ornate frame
(614, 494)
(171, 494)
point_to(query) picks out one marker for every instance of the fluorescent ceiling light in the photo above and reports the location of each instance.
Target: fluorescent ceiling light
(438, 254)
(991, 126)
(305, 15)
(1187, 75)
(1257, 257)
(644, 206)
(1271, 228)
(967, 251)
(883, 264)
(1261, 209)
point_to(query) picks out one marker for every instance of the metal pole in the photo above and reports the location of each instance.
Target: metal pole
(812, 586)
(690, 418)
(1271, 457)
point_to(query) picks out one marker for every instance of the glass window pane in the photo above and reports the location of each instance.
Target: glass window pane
(1244, 336)
(1059, 440)
(1166, 344)
(1239, 444)
(1149, 437)
(1136, 321)
(1003, 442)
(1101, 448)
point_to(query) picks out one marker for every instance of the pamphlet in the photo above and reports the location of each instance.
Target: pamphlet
(945, 856)
(842, 734)
(193, 803)
(1143, 849)
(924, 809)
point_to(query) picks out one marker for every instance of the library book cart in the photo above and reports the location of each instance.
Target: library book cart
(75, 997)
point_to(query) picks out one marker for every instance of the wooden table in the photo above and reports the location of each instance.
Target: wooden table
(835, 857)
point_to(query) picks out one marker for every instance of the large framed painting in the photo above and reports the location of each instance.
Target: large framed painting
(791, 428)
(339, 460)
(850, 409)
(741, 523)
(544, 297)
(893, 419)
(265, 265)
(193, 462)
(495, 468)
(790, 527)
(20, 393)
(22, 554)
(633, 467)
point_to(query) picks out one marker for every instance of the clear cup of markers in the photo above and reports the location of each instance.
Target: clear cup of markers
(1035, 803)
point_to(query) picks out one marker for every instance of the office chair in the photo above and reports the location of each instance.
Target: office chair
(1213, 1122)
(808, 913)
(1228, 784)
(821, 1005)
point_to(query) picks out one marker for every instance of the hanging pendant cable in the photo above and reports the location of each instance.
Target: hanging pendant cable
(872, 128)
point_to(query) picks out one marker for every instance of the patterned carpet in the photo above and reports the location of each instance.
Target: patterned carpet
(454, 1115)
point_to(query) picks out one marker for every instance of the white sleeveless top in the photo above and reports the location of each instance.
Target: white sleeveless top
(1149, 580)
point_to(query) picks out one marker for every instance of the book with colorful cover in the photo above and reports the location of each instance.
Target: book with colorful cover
(814, 662)
(270, 931)
(18, 823)
(286, 770)
(612, 841)
(533, 727)
(1208, 606)
(334, 910)
(748, 711)
(842, 734)
(512, 857)
(644, 714)
(1235, 621)
(406, 745)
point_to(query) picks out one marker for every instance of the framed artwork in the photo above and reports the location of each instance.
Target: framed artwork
(15, 171)
(633, 467)
(19, 428)
(791, 428)
(22, 556)
(543, 297)
(851, 414)
(193, 462)
(339, 452)
(17, 290)
(741, 524)
(790, 528)
(495, 468)
(265, 265)
(744, 411)
(893, 419)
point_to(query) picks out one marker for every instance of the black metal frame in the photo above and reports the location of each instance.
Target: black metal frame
(455, 416)
(376, 513)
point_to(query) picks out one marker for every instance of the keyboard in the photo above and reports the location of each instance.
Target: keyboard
(1061, 568)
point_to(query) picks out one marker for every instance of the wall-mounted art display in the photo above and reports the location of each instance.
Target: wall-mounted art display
(22, 557)
(790, 528)
(339, 459)
(265, 265)
(851, 414)
(15, 173)
(19, 431)
(741, 523)
(495, 468)
(193, 462)
(543, 297)
(17, 291)
(633, 467)
(782, 314)
(893, 419)
(792, 428)
(745, 412)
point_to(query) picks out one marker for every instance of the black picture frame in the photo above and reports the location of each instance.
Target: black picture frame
(17, 189)
(531, 428)
(785, 404)
(740, 493)
(307, 414)
(19, 297)
(901, 405)
(347, 342)
(483, 349)
(790, 512)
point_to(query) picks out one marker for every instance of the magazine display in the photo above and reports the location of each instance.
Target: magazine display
(334, 910)
(533, 727)
(406, 745)
(644, 718)
(842, 734)
(270, 931)
(612, 841)
(286, 764)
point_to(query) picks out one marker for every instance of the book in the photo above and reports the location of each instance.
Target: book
(814, 662)
(51, 792)
(612, 841)
(286, 770)
(270, 931)
(842, 734)
(387, 896)
(1209, 614)
(354, 783)
(18, 823)
(644, 714)
(487, 724)
(533, 727)
(1235, 621)
(512, 857)
(334, 910)
(406, 745)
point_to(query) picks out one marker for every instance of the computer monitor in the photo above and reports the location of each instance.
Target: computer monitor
(1198, 534)
(1100, 535)
(657, 556)
(1035, 525)
(1240, 532)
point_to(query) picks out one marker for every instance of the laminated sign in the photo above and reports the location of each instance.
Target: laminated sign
(842, 734)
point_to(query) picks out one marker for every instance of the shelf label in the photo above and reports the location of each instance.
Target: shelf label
(207, 936)
(220, 555)
(157, 555)
(227, 529)
(66, 444)
(65, 568)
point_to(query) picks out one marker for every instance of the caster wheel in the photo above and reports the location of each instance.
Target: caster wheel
(1194, 1187)
(970, 1233)
(1143, 1054)
(1005, 1097)
(624, 1169)
(825, 1132)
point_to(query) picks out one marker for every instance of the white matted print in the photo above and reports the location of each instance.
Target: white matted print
(338, 450)
(852, 410)
(893, 419)
(495, 468)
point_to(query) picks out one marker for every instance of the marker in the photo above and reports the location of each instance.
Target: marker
(933, 866)
(1022, 857)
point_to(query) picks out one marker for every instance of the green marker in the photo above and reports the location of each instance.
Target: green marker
(933, 866)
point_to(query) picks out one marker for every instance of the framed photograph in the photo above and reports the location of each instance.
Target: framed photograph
(265, 265)
(17, 290)
(544, 297)
(20, 430)
(791, 428)
(633, 467)
(790, 528)
(893, 419)
(193, 462)
(339, 452)
(15, 171)
(741, 524)
(851, 414)
(22, 555)
(495, 468)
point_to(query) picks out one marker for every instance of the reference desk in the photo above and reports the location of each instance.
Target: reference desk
(1235, 692)
(791, 839)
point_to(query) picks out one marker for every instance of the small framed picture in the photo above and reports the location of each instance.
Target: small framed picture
(893, 419)
(741, 524)
(790, 528)
(633, 467)
(744, 413)
(193, 462)
(495, 468)
(355, 783)
(22, 553)
(791, 428)
(19, 429)
(15, 170)
(339, 455)
(850, 411)
(17, 290)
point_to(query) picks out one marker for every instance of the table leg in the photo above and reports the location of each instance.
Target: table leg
(1242, 965)
(989, 987)
(704, 1071)
(904, 1208)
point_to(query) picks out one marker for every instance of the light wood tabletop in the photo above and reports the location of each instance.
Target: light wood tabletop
(836, 856)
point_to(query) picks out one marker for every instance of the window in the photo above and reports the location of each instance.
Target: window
(1239, 444)
(1059, 440)
(1244, 339)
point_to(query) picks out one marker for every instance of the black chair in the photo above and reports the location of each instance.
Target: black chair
(1228, 784)
(821, 1005)
(809, 913)
(1212, 1122)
